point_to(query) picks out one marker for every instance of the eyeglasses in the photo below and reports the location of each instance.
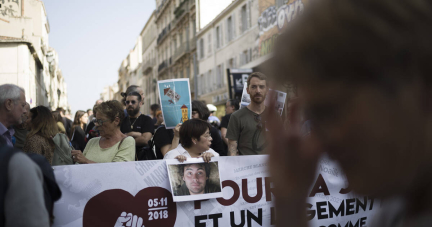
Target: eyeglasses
(133, 102)
(99, 122)
(207, 135)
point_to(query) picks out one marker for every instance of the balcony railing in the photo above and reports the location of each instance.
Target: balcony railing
(162, 66)
(192, 43)
(163, 34)
(148, 65)
(182, 50)
(182, 8)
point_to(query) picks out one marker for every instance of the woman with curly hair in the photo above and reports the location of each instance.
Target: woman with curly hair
(112, 145)
(42, 129)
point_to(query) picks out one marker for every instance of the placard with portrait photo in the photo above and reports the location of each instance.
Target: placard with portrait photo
(194, 179)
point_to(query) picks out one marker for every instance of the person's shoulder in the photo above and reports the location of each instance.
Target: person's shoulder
(213, 152)
(240, 112)
(129, 140)
(93, 141)
(172, 153)
(145, 118)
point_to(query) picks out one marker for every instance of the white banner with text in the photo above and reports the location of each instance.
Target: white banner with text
(139, 194)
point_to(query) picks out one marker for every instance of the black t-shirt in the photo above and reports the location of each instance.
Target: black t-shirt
(125, 126)
(225, 120)
(141, 124)
(217, 143)
(161, 138)
(224, 124)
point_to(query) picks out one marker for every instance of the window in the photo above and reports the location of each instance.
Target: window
(201, 46)
(219, 75)
(244, 19)
(230, 29)
(209, 43)
(218, 37)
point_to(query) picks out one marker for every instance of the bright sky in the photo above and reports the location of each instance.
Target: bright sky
(211, 8)
(93, 37)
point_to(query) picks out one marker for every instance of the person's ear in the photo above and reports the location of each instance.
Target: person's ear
(9, 104)
(194, 140)
(117, 121)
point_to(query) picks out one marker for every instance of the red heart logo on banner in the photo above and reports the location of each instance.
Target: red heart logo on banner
(154, 205)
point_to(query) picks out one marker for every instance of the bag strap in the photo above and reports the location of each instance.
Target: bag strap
(121, 141)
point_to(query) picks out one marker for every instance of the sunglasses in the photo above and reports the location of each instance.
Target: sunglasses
(99, 122)
(257, 119)
(133, 102)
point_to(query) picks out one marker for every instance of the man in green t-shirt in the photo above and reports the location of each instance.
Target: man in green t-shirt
(246, 129)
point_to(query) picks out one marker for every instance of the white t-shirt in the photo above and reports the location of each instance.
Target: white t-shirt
(179, 150)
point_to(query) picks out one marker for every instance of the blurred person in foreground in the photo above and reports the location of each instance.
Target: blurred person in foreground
(21, 130)
(42, 129)
(12, 108)
(22, 200)
(200, 111)
(362, 69)
(112, 145)
(195, 142)
(231, 106)
(77, 134)
(246, 128)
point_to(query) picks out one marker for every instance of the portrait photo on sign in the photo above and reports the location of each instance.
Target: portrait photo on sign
(194, 179)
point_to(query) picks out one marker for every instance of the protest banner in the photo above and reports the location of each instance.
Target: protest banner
(112, 194)
(175, 99)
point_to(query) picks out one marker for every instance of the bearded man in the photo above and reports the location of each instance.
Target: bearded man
(246, 130)
(141, 125)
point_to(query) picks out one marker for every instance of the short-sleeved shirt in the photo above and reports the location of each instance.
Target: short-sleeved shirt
(125, 126)
(181, 151)
(244, 127)
(161, 138)
(123, 152)
(142, 124)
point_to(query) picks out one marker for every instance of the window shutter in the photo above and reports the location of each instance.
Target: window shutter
(248, 15)
(233, 22)
(226, 31)
(240, 26)
(199, 49)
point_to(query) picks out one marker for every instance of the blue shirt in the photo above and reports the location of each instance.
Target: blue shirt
(7, 134)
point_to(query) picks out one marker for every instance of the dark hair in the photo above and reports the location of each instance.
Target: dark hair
(235, 103)
(61, 110)
(42, 123)
(193, 128)
(155, 107)
(57, 116)
(89, 110)
(129, 90)
(385, 43)
(258, 75)
(205, 165)
(77, 121)
(134, 93)
(201, 108)
(111, 109)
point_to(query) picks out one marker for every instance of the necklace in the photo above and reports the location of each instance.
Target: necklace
(135, 120)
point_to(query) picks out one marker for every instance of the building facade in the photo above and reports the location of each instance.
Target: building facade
(25, 56)
(241, 36)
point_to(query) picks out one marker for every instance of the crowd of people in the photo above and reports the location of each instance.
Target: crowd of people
(362, 79)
